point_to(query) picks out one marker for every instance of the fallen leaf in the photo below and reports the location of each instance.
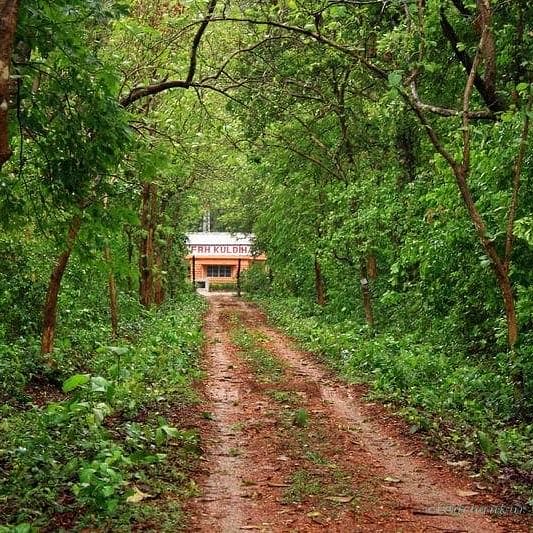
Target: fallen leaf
(313, 514)
(138, 496)
(467, 493)
(458, 463)
(339, 499)
(393, 480)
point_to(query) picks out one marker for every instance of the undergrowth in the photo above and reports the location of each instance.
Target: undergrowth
(105, 450)
(460, 403)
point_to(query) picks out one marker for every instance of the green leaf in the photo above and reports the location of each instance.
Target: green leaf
(99, 384)
(485, 443)
(75, 381)
(118, 350)
(395, 79)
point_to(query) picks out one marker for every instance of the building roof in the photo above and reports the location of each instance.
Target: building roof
(219, 237)
(220, 244)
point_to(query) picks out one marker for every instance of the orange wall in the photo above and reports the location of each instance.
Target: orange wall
(202, 262)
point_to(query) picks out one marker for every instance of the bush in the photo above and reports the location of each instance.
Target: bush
(255, 279)
(81, 454)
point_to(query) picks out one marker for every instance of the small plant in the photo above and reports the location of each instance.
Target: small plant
(300, 418)
(101, 482)
(303, 484)
(234, 452)
(286, 397)
(87, 448)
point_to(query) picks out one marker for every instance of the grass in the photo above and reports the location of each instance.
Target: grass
(302, 485)
(284, 396)
(267, 367)
(300, 418)
(319, 481)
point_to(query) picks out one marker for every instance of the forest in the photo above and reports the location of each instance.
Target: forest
(380, 152)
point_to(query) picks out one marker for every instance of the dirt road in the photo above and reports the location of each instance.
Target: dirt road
(288, 447)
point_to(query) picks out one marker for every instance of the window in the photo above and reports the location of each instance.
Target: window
(218, 271)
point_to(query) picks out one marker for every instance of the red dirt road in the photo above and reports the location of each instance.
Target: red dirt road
(304, 452)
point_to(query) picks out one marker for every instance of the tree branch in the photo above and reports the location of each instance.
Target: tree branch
(446, 112)
(380, 73)
(197, 38)
(469, 87)
(140, 92)
(419, 111)
(489, 97)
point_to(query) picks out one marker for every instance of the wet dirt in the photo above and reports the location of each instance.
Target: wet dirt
(308, 452)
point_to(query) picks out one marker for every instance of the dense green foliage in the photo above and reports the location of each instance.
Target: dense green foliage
(381, 154)
(393, 222)
(77, 456)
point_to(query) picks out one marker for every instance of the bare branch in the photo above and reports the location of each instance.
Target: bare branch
(356, 54)
(469, 87)
(148, 90)
(446, 112)
(419, 111)
(488, 95)
(197, 38)
(251, 48)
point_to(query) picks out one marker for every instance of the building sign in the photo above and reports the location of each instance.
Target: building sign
(219, 249)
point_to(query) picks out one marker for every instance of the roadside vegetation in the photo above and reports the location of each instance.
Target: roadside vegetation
(465, 407)
(84, 444)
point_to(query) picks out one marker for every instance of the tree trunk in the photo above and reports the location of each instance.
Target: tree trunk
(129, 282)
(146, 255)
(371, 266)
(50, 306)
(170, 284)
(112, 288)
(239, 277)
(159, 286)
(8, 24)
(367, 297)
(320, 285)
(500, 269)
(506, 290)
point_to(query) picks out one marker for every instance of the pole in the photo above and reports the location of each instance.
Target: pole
(239, 277)
(194, 271)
